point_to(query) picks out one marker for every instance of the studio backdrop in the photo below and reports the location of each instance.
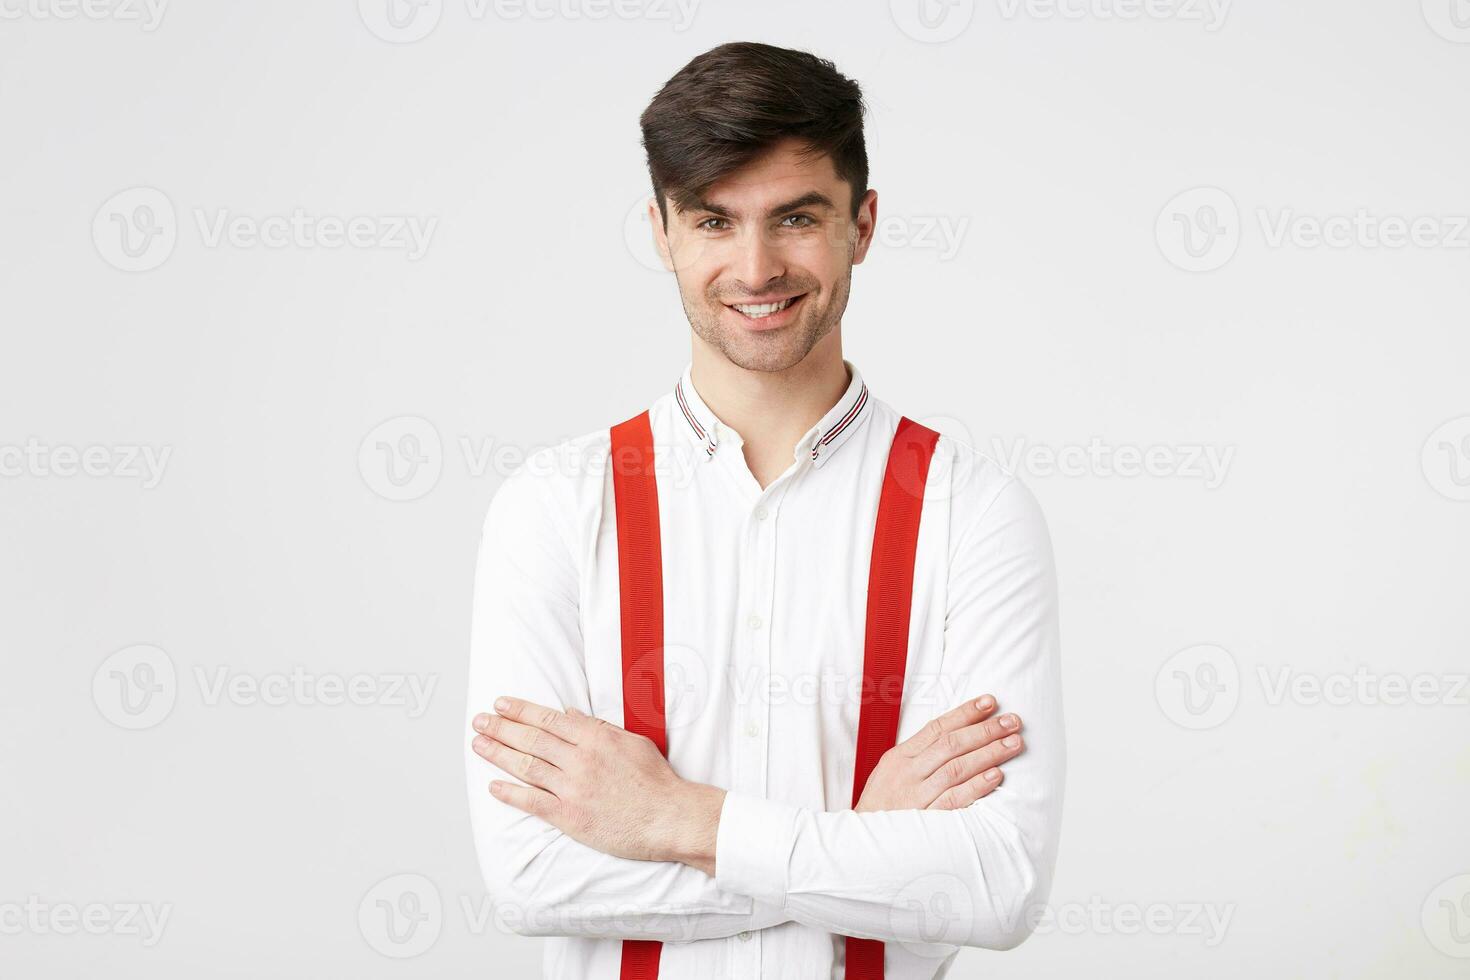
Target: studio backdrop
(288, 289)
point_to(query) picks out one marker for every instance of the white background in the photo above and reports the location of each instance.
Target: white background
(1064, 312)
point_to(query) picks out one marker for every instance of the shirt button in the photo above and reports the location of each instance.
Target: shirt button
(744, 935)
(752, 729)
(755, 622)
(760, 513)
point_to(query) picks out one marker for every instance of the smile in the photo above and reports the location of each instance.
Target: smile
(768, 314)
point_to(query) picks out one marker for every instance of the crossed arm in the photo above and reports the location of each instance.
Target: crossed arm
(564, 852)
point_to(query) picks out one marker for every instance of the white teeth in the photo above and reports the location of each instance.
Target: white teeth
(765, 309)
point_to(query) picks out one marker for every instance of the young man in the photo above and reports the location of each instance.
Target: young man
(731, 657)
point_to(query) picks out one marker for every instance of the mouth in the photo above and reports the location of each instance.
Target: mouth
(767, 316)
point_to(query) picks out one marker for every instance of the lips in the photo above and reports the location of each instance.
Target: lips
(767, 314)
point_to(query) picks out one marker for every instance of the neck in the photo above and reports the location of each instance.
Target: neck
(771, 410)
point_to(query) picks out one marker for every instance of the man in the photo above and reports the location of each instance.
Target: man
(733, 660)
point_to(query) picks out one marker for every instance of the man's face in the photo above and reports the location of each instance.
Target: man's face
(779, 231)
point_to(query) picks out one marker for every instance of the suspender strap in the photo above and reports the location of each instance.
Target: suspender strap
(641, 603)
(886, 639)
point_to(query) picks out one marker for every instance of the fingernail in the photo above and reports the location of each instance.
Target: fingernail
(1009, 721)
(501, 704)
(480, 722)
(992, 775)
(984, 703)
(481, 742)
(497, 788)
(1011, 741)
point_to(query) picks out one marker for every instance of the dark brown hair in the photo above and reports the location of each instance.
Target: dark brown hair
(732, 103)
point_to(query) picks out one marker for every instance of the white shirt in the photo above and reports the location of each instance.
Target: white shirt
(764, 612)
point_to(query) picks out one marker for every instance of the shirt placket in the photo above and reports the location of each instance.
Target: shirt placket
(753, 654)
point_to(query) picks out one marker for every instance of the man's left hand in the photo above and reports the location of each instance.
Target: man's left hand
(599, 784)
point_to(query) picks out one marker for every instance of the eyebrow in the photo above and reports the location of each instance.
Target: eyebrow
(811, 199)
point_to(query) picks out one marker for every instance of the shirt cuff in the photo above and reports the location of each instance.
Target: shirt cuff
(753, 845)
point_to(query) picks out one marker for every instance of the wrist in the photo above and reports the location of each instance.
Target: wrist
(695, 825)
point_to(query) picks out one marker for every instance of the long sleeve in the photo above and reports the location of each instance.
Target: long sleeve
(526, 642)
(967, 877)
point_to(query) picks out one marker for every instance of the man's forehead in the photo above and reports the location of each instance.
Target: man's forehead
(781, 174)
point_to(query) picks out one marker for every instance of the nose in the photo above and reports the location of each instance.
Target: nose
(759, 260)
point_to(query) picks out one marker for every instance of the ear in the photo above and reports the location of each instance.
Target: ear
(867, 223)
(660, 237)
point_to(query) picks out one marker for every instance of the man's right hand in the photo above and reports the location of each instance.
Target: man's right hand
(949, 763)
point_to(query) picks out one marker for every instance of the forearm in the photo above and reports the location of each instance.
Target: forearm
(565, 889)
(543, 882)
(964, 877)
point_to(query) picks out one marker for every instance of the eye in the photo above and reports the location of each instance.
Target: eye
(705, 224)
(806, 220)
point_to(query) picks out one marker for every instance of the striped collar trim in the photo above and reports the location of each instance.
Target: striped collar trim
(834, 428)
(838, 425)
(698, 419)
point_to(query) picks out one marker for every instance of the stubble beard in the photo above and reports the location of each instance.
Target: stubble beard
(771, 350)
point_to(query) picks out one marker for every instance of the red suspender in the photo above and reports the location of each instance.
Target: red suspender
(886, 640)
(641, 597)
(885, 652)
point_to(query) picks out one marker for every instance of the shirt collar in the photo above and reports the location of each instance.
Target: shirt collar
(820, 442)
